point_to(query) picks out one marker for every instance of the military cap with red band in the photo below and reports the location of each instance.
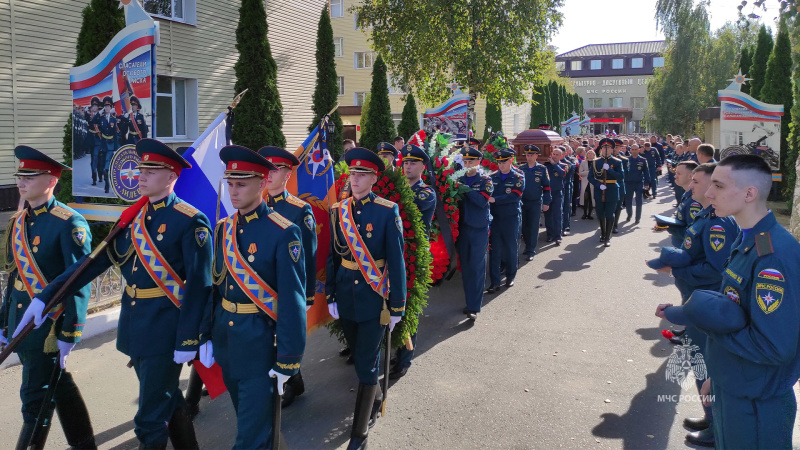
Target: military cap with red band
(156, 155)
(279, 157)
(241, 162)
(360, 159)
(32, 162)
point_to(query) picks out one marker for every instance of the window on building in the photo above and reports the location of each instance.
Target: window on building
(397, 118)
(364, 60)
(394, 86)
(337, 8)
(637, 63)
(359, 97)
(658, 61)
(173, 96)
(575, 65)
(615, 102)
(180, 10)
(617, 63)
(341, 86)
(637, 102)
(338, 47)
(560, 66)
(595, 103)
(595, 64)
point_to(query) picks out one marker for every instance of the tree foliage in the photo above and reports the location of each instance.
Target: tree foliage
(379, 126)
(259, 116)
(555, 106)
(745, 61)
(496, 48)
(409, 121)
(758, 70)
(494, 118)
(538, 107)
(326, 92)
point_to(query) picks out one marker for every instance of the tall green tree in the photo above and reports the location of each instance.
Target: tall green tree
(409, 122)
(538, 109)
(259, 116)
(745, 62)
(101, 21)
(555, 106)
(326, 92)
(777, 89)
(379, 126)
(578, 104)
(494, 118)
(758, 70)
(497, 50)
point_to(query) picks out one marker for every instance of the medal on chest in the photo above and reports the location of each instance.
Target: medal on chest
(161, 229)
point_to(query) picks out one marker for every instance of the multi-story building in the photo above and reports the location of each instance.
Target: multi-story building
(195, 59)
(612, 80)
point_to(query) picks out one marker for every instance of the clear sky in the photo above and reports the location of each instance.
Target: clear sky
(586, 21)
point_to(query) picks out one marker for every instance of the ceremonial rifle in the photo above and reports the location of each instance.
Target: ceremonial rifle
(125, 219)
(44, 421)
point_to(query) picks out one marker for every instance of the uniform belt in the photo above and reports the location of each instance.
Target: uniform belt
(609, 181)
(93, 131)
(18, 285)
(134, 292)
(132, 132)
(239, 308)
(352, 265)
(108, 137)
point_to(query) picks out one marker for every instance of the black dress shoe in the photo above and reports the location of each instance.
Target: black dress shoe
(637, 222)
(678, 333)
(567, 229)
(345, 351)
(289, 395)
(529, 258)
(696, 423)
(676, 340)
(558, 243)
(397, 374)
(492, 289)
(350, 360)
(615, 230)
(472, 316)
(704, 438)
(509, 283)
(466, 310)
(627, 218)
(590, 217)
(549, 240)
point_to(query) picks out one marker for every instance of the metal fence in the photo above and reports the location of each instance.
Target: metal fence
(106, 289)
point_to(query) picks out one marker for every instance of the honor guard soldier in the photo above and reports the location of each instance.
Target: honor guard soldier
(165, 259)
(137, 129)
(97, 139)
(258, 324)
(473, 230)
(637, 180)
(299, 213)
(41, 241)
(650, 153)
(536, 197)
(388, 153)
(415, 163)
(566, 208)
(754, 368)
(618, 146)
(108, 135)
(367, 241)
(604, 173)
(506, 213)
(558, 179)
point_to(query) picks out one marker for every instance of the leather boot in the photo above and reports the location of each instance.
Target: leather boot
(73, 414)
(364, 405)
(703, 438)
(376, 406)
(181, 429)
(105, 178)
(602, 230)
(609, 229)
(25, 435)
(94, 178)
(194, 390)
(590, 212)
(615, 230)
(294, 388)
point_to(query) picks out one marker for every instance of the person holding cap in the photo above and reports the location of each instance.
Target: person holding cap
(535, 198)
(366, 285)
(43, 240)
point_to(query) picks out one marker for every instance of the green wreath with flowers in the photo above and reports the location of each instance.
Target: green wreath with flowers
(392, 185)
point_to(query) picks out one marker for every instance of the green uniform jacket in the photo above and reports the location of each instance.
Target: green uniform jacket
(300, 213)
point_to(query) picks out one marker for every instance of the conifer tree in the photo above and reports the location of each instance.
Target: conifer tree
(538, 114)
(494, 118)
(758, 69)
(409, 122)
(379, 126)
(326, 92)
(745, 62)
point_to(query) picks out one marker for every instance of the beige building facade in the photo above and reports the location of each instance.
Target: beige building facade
(195, 59)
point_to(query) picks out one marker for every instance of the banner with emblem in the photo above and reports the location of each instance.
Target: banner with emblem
(450, 116)
(123, 78)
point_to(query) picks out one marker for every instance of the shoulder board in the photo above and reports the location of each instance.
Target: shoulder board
(221, 221)
(281, 221)
(296, 201)
(614, 158)
(622, 158)
(61, 213)
(494, 173)
(764, 244)
(186, 208)
(383, 202)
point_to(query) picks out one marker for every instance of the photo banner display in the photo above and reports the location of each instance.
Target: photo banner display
(449, 117)
(113, 105)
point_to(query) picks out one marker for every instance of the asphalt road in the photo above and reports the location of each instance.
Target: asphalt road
(571, 357)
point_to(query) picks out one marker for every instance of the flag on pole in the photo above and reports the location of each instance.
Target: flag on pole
(199, 186)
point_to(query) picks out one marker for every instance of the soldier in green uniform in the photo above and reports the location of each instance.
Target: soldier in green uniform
(604, 173)
(165, 259)
(258, 323)
(367, 241)
(41, 241)
(299, 213)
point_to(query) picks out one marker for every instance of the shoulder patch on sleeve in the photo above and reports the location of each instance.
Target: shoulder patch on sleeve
(281, 221)
(383, 202)
(61, 213)
(186, 209)
(764, 244)
(295, 201)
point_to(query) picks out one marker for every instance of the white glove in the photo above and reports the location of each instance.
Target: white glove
(333, 309)
(184, 357)
(393, 321)
(606, 166)
(33, 312)
(206, 354)
(308, 307)
(282, 379)
(64, 348)
(602, 187)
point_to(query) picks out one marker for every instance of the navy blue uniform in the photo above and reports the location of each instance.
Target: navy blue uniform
(473, 237)
(636, 178)
(687, 211)
(611, 178)
(299, 213)
(133, 135)
(553, 217)
(506, 214)
(569, 188)
(753, 370)
(537, 193)
(653, 163)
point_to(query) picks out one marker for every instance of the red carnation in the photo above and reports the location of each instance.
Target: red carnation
(391, 186)
(667, 334)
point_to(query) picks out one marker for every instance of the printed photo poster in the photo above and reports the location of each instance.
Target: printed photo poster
(450, 117)
(113, 104)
